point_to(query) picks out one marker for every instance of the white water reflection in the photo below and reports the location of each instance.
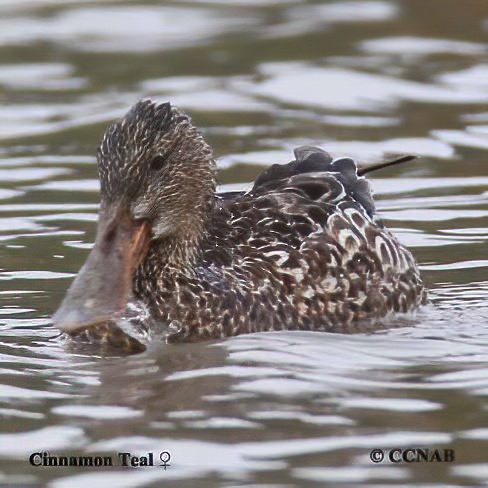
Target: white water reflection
(362, 151)
(19, 444)
(40, 76)
(476, 76)
(295, 409)
(467, 138)
(123, 28)
(345, 12)
(304, 19)
(341, 89)
(422, 46)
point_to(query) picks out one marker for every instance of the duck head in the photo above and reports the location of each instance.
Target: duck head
(157, 178)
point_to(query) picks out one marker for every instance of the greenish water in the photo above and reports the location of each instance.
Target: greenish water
(360, 78)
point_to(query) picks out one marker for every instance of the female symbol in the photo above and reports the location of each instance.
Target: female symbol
(165, 456)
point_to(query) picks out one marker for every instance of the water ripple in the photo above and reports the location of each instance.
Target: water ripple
(260, 77)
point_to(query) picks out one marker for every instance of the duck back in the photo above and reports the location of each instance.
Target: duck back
(303, 249)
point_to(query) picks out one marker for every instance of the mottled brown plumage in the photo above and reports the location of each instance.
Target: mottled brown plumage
(303, 249)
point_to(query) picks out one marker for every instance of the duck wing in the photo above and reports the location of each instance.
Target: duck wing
(305, 242)
(316, 177)
(316, 203)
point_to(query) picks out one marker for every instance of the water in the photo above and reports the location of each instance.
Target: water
(259, 77)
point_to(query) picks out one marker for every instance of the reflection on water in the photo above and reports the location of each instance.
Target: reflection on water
(260, 78)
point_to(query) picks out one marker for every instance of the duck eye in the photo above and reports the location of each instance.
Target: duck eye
(158, 163)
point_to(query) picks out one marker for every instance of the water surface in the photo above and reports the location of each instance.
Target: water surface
(300, 409)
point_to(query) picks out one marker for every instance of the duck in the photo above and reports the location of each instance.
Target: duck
(302, 249)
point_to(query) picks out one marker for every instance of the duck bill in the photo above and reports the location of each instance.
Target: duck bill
(102, 287)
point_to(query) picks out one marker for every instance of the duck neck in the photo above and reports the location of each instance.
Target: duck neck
(175, 254)
(179, 252)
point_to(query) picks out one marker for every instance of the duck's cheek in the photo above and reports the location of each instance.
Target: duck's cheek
(103, 285)
(160, 214)
(163, 227)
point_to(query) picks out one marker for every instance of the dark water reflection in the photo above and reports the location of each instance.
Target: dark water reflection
(260, 77)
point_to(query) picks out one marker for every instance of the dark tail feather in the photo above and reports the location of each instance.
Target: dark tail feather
(403, 159)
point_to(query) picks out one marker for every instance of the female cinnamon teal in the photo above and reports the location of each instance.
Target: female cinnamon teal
(303, 249)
